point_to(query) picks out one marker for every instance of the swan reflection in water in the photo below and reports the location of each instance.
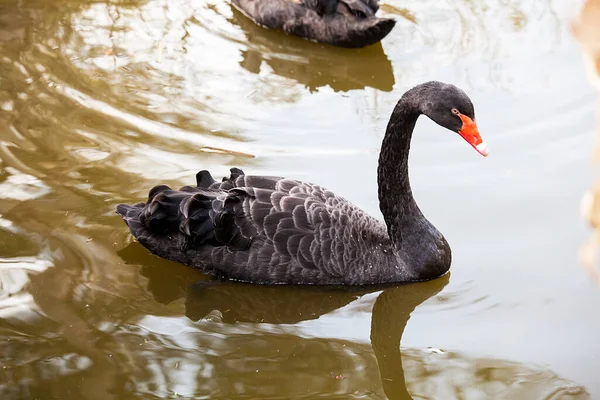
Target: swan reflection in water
(312, 64)
(251, 355)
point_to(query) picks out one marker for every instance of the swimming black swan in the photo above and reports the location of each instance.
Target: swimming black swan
(273, 230)
(344, 23)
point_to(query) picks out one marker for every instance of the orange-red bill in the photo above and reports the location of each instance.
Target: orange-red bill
(470, 133)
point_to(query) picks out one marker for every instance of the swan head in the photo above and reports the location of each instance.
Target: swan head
(450, 107)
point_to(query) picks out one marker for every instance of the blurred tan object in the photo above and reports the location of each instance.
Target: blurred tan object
(586, 30)
(590, 209)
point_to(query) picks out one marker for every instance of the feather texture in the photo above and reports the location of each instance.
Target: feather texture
(344, 23)
(260, 229)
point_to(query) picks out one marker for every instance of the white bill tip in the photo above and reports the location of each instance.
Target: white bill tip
(482, 149)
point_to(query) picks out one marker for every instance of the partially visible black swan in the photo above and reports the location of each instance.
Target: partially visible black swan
(274, 230)
(344, 23)
(312, 66)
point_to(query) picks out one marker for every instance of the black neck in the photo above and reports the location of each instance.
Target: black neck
(396, 201)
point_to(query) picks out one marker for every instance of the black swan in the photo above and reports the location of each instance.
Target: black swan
(273, 230)
(344, 23)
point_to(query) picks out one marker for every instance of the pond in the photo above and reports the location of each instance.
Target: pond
(101, 100)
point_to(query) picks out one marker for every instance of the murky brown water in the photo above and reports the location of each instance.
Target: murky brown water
(101, 100)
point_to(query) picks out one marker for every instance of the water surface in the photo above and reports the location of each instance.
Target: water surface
(100, 100)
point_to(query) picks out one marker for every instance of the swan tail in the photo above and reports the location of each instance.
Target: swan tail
(172, 212)
(209, 213)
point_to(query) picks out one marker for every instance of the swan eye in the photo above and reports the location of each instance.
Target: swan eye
(455, 111)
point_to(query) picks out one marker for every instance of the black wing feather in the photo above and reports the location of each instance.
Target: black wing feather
(204, 179)
(277, 230)
(344, 23)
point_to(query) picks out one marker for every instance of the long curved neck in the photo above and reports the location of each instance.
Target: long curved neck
(396, 201)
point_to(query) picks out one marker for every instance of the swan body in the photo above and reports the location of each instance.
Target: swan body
(267, 230)
(344, 23)
(274, 230)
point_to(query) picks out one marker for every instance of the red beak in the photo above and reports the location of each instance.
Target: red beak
(470, 133)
